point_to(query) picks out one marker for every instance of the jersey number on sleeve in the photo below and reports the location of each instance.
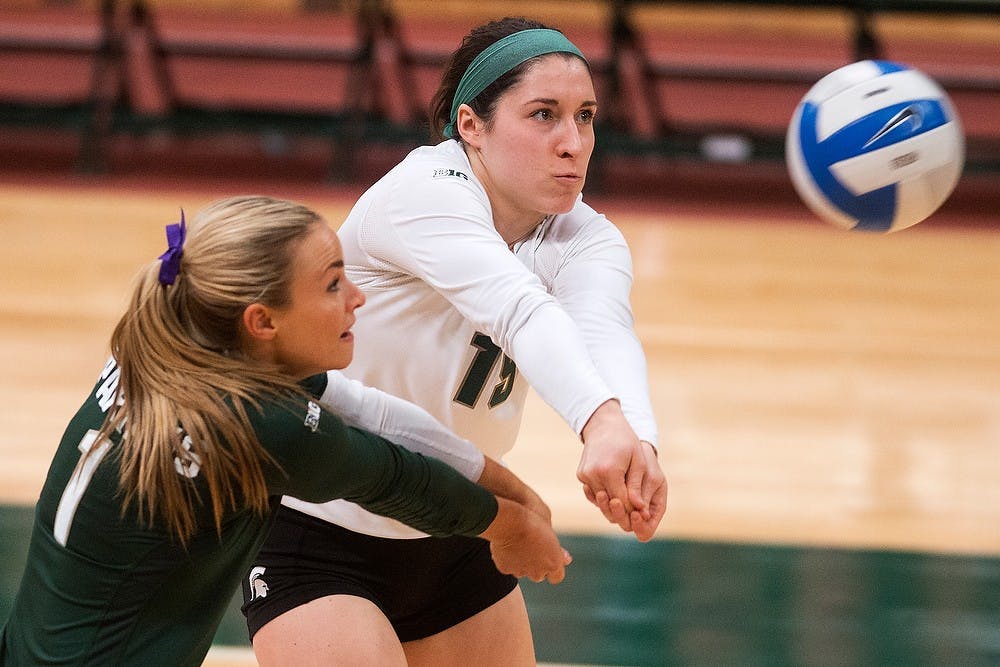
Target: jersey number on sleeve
(77, 484)
(479, 372)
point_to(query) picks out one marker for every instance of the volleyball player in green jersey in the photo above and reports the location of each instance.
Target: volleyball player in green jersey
(163, 485)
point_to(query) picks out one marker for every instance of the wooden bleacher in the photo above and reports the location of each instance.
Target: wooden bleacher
(699, 80)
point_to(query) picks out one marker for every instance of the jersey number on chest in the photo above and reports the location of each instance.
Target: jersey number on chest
(487, 353)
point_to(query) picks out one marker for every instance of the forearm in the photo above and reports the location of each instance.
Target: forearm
(551, 354)
(330, 460)
(432, 497)
(501, 482)
(607, 416)
(404, 423)
(594, 286)
(622, 364)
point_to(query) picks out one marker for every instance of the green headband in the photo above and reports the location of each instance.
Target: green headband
(501, 57)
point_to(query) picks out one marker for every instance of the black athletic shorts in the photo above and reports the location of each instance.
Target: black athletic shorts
(423, 586)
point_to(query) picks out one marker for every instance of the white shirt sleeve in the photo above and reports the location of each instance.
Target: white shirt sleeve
(442, 233)
(401, 422)
(593, 285)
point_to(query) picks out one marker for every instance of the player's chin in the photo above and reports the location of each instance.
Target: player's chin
(344, 353)
(563, 202)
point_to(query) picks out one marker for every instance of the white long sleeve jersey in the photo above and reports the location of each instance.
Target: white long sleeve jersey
(460, 325)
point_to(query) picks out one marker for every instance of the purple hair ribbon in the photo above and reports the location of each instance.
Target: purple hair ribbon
(171, 259)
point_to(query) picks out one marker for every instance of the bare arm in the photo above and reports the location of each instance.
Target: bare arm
(501, 482)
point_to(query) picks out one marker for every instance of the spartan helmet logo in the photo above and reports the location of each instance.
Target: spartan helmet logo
(258, 587)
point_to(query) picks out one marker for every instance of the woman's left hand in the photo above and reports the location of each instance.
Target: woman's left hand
(654, 495)
(620, 474)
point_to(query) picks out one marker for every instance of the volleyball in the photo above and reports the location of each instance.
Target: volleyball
(875, 146)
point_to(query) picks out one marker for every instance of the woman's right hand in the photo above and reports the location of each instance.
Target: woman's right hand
(523, 544)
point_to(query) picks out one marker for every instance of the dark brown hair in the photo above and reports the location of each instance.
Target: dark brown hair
(473, 44)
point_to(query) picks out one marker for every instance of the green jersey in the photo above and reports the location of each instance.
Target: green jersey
(104, 588)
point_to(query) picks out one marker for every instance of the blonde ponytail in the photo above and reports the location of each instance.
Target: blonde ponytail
(182, 371)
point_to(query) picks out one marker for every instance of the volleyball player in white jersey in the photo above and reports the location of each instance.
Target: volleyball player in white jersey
(481, 251)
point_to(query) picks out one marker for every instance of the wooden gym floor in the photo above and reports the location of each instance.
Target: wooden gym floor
(815, 388)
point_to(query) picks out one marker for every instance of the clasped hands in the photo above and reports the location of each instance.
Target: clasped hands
(621, 474)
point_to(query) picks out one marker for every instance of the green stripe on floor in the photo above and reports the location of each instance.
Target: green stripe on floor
(671, 602)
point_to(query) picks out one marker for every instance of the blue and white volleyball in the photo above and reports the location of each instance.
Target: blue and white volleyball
(875, 146)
